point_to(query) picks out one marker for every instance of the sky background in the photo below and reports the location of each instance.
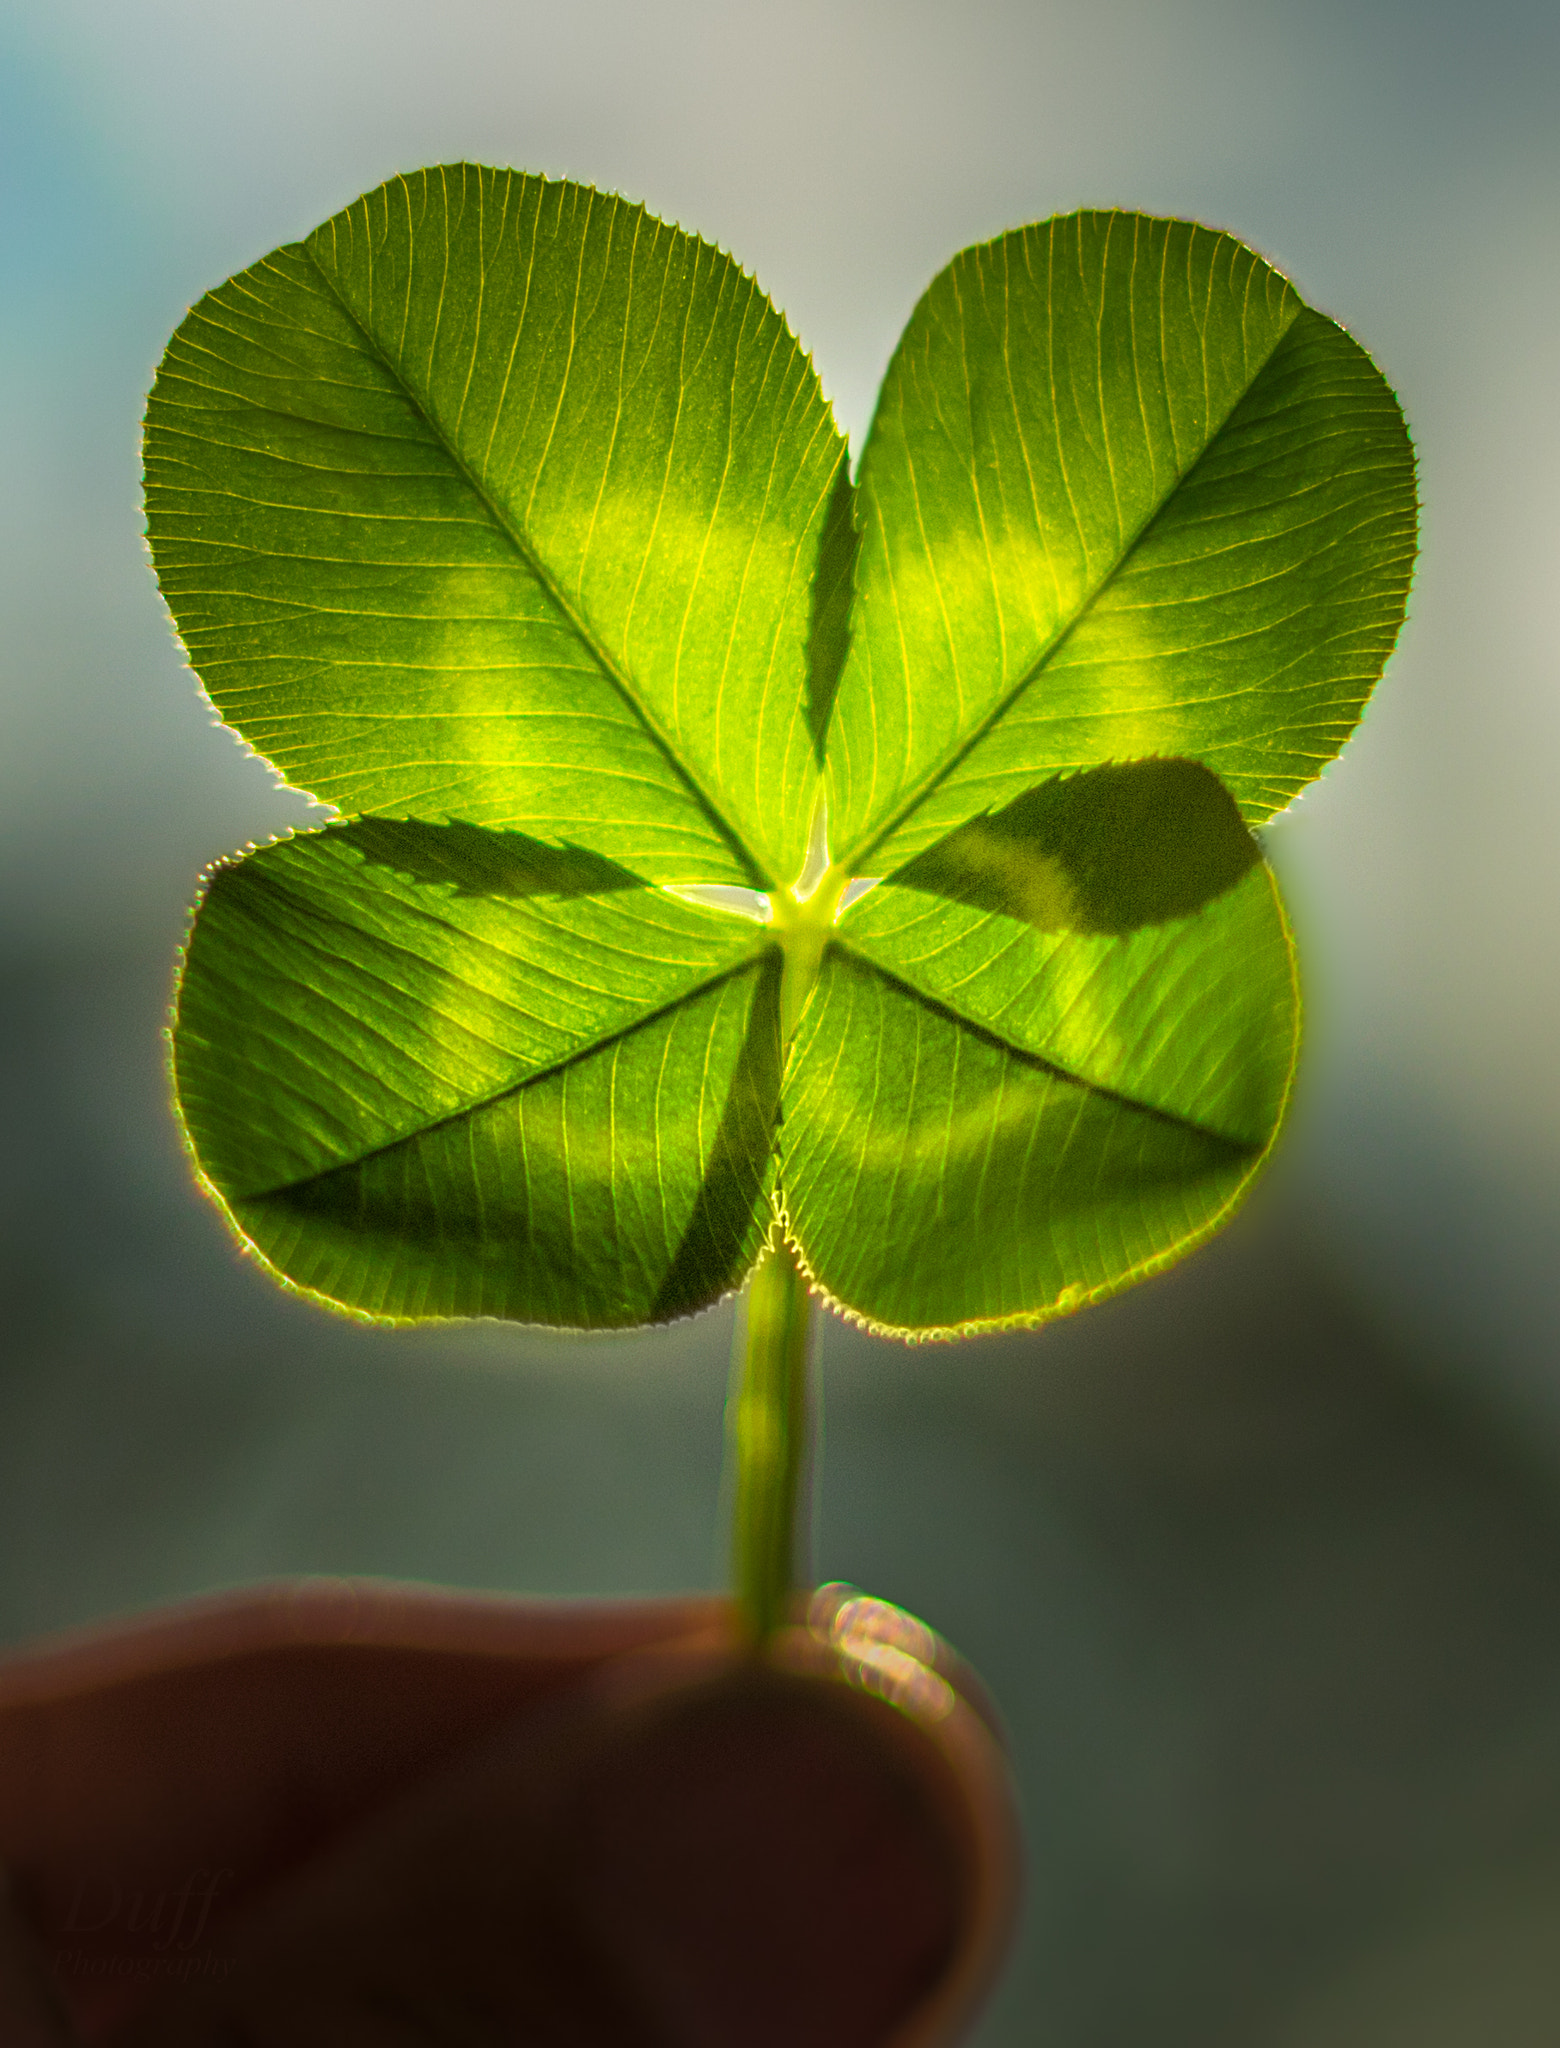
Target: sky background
(1158, 1529)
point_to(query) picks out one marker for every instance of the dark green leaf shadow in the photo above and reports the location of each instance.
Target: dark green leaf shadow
(481, 862)
(828, 631)
(1106, 850)
(706, 1264)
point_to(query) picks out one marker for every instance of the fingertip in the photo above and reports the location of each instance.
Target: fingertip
(819, 1843)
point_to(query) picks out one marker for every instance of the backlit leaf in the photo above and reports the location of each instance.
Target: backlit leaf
(513, 522)
(497, 501)
(1124, 495)
(430, 1070)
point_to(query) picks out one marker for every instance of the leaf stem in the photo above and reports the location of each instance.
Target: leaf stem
(802, 925)
(766, 1436)
(767, 1409)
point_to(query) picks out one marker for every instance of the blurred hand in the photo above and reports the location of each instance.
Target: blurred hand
(366, 1817)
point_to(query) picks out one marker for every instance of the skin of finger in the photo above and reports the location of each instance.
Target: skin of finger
(31, 2013)
(703, 1851)
(431, 1923)
(777, 1859)
(219, 1744)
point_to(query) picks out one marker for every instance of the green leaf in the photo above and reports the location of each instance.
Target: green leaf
(1124, 495)
(435, 1071)
(939, 1182)
(1121, 926)
(1045, 1063)
(514, 521)
(497, 501)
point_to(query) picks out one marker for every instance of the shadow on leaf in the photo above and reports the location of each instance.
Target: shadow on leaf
(1107, 850)
(828, 631)
(706, 1263)
(479, 862)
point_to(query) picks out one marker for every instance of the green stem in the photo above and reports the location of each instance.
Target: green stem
(803, 927)
(766, 1413)
(766, 1437)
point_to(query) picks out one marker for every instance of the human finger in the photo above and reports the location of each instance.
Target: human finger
(695, 1846)
(157, 1771)
(31, 2012)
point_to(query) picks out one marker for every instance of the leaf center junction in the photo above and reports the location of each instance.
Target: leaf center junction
(800, 917)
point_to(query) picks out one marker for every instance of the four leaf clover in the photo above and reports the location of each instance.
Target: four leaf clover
(513, 523)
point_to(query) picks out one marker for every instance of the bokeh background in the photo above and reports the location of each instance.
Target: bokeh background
(1262, 1561)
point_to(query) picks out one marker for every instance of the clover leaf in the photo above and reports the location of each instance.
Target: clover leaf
(734, 854)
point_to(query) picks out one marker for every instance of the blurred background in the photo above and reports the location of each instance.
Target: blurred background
(1261, 1561)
